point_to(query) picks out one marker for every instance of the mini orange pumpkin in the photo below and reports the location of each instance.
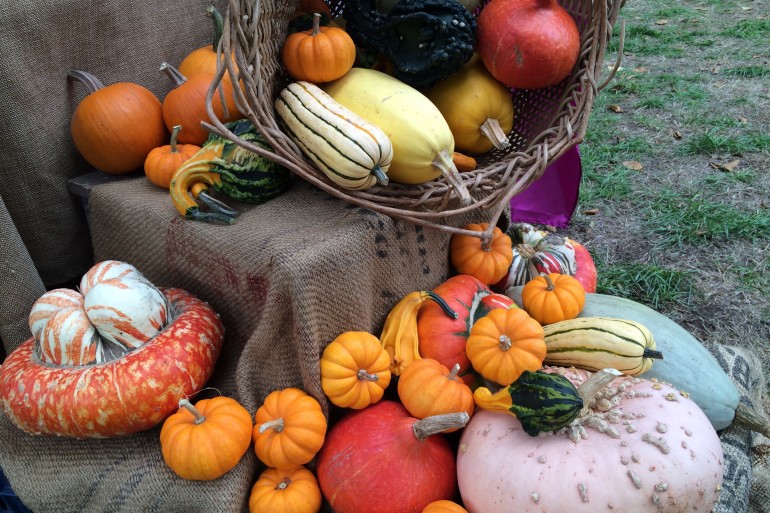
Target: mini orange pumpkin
(294, 490)
(553, 297)
(289, 429)
(504, 344)
(355, 370)
(204, 59)
(162, 162)
(488, 265)
(427, 387)
(444, 506)
(205, 441)
(318, 55)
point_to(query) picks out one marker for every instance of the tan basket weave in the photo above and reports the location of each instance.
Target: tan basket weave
(547, 121)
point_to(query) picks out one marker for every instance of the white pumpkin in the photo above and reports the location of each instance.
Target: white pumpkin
(126, 311)
(642, 446)
(106, 270)
(69, 338)
(48, 304)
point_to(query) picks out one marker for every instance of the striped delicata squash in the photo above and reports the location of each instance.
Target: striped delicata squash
(229, 169)
(352, 152)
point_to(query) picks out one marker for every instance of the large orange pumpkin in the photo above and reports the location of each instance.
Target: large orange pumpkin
(321, 54)
(115, 127)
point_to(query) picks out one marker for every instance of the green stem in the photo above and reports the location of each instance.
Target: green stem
(216, 16)
(174, 134)
(652, 353)
(382, 178)
(195, 214)
(216, 205)
(443, 304)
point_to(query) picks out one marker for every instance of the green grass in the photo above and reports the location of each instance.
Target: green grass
(715, 141)
(747, 71)
(754, 29)
(649, 284)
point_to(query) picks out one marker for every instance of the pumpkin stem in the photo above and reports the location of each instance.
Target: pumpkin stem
(91, 82)
(443, 304)
(505, 342)
(453, 372)
(590, 387)
(652, 353)
(284, 484)
(276, 424)
(187, 405)
(219, 25)
(316, 24)
(446, 166)
(750, 419)
(435, 424)
(174, 134)
(492, 130)
(363, 375)
(549, 282)
(171, 72)
(526, 251)
(382, 178)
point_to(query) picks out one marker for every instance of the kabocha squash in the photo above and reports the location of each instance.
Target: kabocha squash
(320, 54)
(486, 264)
(553, 297)
(428, 388)
(204, 441)
(422, 141)
(289, 428)
(229, 169)
(185, 104)
(355, 370)
(400, 336)
(143, 388)
(115, 127)
(595, 343)
(638, 446)
(162, 162)
(541, 401)
(425, 40)
(382, 460)
(527, 44)
(504, 344)
(351, 152)
(477, 108)
(285, 491)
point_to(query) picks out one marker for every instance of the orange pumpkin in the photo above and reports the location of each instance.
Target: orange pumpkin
(115, 127)
(205, 441)
(504, 344)
(162, 162)
(355, 370)
(204, 59)
(426, 388)
(488, 265)
(444, 506)
(294, 490)
(321, 54)
(185, 104)
(553, 297)
(289, 429)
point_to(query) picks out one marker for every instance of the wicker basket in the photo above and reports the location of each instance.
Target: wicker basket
(547, 122)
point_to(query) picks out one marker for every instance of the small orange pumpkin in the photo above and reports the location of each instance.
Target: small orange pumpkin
(355, 370)
(289, 429)
(205, 441)
(488, 265)
(162, 162)
(553, 297)
(505, 343)
(427, 387)
(444, 506)
(294, 490)
(321, 54)
(185, 104)
(204, 59)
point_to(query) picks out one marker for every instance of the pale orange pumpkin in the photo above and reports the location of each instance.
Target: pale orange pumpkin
(553, 297)
(488, 265)
(293, 490)
(206, 440)
(505, 343)
(427, 387)
(318, 55)
(289, 429)
(162, 162)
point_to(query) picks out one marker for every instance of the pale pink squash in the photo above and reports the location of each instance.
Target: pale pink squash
(126, 311)
(106, 270)
(69, 338)
(48, 304)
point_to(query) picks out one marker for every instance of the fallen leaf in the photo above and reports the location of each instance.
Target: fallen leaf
(661, 22)
(641, 70)
(746, 8)
(633, 165)
(615, 108)
(741, 119)
(677, 134)
(591, 212)
(728, 167)
(715, 70)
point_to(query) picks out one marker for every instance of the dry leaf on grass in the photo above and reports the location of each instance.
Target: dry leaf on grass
(591, 212)
(633, 165)
(729, 166)
(615, 108)
(661, 22)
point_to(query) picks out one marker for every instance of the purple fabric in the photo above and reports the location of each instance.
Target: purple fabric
(552, 198)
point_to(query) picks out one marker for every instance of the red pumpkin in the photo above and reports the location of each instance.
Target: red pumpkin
(120, 397)
(373, 461)
(586, 268)
(527, 44)
(441, 337)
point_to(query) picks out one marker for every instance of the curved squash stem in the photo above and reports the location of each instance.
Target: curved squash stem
(382, 178)
(174, 134)
(443, 304)
(91, 82)
(275, 424)
(549, 282)
(187, 405)
(363, 375)
(171, 72)
(444, 163)
(213, 13)
(492, 130)
(590, 387)
(435, 424)
(187, 177)
(748, 418)
(216, 205)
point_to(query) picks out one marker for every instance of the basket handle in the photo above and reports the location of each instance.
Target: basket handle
(618, 58)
